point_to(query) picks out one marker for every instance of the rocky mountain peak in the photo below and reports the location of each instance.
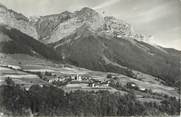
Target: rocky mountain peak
(55, 16)
(3, 10)
(2, 6)
(45, 25)
(91, 17)
(17, 21)
(87, 10)
(117, 26)
(52, 28)
(67, 13)
(88, 14)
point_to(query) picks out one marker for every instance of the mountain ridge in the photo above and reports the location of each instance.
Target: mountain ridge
(72, 21)
(17, 20)
(48, 28)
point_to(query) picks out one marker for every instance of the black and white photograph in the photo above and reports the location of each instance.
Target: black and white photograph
(90, 58)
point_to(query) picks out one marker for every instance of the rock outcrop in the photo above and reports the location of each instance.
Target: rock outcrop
(18, 21)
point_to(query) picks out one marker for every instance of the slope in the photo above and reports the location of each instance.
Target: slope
(13, 41)
(88, 49)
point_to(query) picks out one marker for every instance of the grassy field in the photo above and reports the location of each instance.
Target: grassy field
(22, 78)
(41, 65)
(156, 87)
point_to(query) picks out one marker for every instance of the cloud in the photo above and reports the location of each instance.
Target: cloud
(152, 14)
(106, 4)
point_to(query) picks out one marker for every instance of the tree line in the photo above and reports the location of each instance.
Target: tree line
(53, 101)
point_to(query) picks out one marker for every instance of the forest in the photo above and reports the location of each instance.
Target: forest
(53, 101)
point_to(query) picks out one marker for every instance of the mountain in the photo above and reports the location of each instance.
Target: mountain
(13, 41)
(53, 28)
(87, 39)
(45, 25)
(90, 49)
(17, 20)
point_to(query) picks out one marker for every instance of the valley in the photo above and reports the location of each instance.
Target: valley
(54, 64)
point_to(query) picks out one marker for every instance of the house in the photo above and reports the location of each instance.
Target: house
(27, 88)
(142, 89)
(52, 80)
(41, 85)
(97, 83)
(105, 83)
(119, 36)
(56, 79)
(94, 83)
(76, 77)
(91, 84)
(132, 85)
(86, 77)
(72, 77)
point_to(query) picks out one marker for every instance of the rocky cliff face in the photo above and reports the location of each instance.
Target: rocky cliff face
(18, 21)
(56, 27)
(90, 17)
(117, 27)
(121, 29)
(52, 28)
(46, 25)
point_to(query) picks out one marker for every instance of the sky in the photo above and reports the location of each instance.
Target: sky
(159, 18)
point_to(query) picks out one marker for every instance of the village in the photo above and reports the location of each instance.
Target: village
(58, 79)
(73, 80)
(69, 80)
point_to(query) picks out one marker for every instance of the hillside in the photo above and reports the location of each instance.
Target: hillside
(87, 48)
(12, 41)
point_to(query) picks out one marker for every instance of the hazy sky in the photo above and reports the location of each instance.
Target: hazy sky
(160, 18)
